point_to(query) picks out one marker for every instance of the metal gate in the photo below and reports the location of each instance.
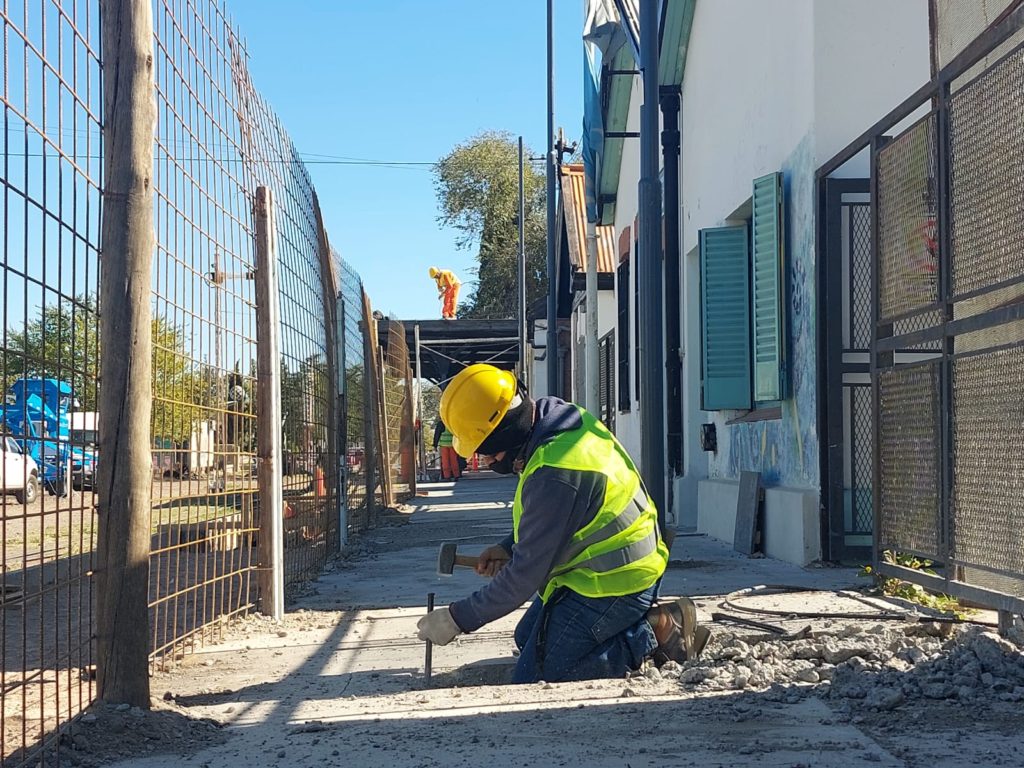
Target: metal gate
(947, 323)
(846, 319)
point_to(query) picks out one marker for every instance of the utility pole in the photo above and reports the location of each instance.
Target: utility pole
(127, 240)
(551, 347)
(521, 269)
(652, 351)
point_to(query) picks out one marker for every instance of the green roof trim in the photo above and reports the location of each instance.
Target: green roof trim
(677, 20)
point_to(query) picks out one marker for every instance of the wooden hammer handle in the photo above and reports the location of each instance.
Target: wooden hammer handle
(469, 561)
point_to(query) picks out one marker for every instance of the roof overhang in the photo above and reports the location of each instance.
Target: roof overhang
(617, 87)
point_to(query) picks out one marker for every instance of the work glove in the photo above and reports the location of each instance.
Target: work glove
(438, 627)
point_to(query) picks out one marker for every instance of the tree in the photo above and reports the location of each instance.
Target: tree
(477, 186)
(63, 343)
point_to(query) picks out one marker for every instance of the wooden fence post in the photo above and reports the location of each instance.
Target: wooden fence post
(370, 452)
(270, 480)
(329, 287)
(127, 241)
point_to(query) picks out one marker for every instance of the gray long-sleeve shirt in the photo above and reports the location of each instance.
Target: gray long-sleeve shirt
(556, 504)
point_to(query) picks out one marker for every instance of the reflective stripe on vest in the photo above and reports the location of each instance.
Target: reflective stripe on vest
(620, 551)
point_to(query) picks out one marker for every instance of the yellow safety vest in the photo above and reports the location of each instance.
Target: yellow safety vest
(620, 551)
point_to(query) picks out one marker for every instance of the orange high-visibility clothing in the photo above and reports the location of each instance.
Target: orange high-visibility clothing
(448, 287)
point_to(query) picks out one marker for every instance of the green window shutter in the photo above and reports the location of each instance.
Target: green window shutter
(725, 318)
(767, 288)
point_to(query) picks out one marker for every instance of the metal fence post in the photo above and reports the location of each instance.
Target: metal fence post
(268, 420)
(127, 244)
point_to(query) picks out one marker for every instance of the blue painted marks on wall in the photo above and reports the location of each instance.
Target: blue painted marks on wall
(785, 451)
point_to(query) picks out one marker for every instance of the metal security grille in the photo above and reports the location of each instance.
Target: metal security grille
(909, 455)
(907, 235)
(988, 456)
(50, 184)
(606, 373)
(947, 347)
(986, 174)
(861, 515)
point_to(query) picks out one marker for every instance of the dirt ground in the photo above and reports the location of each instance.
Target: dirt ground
(340, 681)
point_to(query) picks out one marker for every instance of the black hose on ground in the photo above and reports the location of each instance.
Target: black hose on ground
(763, 590)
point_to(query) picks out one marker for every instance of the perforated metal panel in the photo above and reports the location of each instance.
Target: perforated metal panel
(907, 237)
(988, 457)
(909, 458)
(987, 177)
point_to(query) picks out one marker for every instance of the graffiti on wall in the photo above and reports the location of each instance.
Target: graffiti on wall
(785, 450)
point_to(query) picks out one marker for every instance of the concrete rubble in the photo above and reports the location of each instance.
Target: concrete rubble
(339, 682)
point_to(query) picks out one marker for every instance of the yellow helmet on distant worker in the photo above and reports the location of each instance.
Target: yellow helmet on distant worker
(474, 403)
(434, 271)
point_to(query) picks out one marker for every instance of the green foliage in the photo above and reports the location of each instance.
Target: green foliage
(64, 343)
(895, 587)
(355, 400)
(431, 407)
(477, 186)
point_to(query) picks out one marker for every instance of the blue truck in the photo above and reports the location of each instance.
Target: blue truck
(36, 414)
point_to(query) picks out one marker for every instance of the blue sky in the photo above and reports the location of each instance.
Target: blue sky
(406, 80)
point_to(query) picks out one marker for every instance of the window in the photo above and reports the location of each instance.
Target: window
(742, 328)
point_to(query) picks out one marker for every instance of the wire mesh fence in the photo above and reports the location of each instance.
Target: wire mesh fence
(49, 225)
(397, 432)
(217, 140)
(204, 322)
(308, 326)
(356, 432)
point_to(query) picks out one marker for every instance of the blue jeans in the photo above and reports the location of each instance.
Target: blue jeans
(583, 638)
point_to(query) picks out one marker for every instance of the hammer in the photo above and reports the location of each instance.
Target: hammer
(447, 559)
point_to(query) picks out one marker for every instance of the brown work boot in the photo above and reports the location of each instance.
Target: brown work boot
(679, 636)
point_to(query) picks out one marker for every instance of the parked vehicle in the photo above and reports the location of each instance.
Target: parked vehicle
(37, 415)
(19, 474)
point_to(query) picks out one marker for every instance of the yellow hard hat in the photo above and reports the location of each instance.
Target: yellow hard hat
(474, 403)
(434, 271)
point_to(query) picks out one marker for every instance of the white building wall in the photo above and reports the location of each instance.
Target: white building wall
(768, 87)
(627, 425)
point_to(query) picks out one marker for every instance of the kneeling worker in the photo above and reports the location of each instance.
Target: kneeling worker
(585, 539)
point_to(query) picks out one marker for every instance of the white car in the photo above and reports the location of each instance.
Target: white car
(19, 473)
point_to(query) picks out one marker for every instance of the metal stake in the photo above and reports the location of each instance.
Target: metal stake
(428, 662)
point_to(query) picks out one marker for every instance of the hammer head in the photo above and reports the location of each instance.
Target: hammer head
(446, 559)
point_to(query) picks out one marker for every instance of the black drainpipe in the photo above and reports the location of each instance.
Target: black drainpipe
(673, 361)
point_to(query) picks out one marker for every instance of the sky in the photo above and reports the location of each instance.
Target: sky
(406, 80)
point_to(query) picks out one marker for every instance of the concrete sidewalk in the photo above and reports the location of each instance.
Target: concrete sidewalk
(340, 682)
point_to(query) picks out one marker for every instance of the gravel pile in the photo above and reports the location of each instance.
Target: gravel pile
(878, 667)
